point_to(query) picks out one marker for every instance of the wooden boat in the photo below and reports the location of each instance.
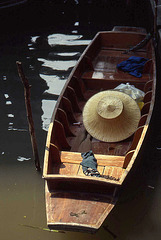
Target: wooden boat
(75, 201)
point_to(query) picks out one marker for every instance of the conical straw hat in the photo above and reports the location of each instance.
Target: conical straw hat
(111, 116)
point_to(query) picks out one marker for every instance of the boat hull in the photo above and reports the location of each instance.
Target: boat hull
(77, 211)
(75, 201)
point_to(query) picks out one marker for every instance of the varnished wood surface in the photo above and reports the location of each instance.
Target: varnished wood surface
(85, 210)
(70, 195)
(108, 165)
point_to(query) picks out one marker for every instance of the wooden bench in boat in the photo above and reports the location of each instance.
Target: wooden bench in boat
(103, 69)
(95, 79)
(67, 165)
(111, 80)
(110, 167)
(118, 76)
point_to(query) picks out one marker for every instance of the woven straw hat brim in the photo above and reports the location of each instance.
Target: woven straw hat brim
(111, 130)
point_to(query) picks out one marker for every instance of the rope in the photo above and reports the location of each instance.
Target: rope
(140, 44)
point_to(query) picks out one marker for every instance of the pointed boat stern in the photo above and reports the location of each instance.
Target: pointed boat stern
(77, 211)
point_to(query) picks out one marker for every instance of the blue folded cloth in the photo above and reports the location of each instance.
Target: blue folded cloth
(133, 65)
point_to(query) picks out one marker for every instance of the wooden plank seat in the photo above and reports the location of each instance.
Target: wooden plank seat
(102, 160)
(102, 80)
(110, 82)
(105, 69)
(111, 167)
(114, 76)
(69, 163)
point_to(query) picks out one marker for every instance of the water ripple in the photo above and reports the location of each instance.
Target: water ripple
(58, 65)
(48, 107)
(63, 39)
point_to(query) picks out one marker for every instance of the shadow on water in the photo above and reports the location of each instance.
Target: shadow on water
(48, 37)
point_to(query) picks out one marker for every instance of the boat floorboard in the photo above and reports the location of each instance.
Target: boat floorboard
(81, 142)
(80, 210)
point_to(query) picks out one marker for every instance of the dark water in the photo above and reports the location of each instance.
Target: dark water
(48, 41)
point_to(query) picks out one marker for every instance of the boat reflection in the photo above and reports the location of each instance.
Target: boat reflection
(62, 53)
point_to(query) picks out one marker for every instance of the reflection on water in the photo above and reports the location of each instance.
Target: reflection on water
(67, 40)
(21, 159)
(48, 56)
(47, 106)
(56, 67)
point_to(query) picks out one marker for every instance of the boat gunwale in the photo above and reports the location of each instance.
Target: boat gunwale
(146, 125)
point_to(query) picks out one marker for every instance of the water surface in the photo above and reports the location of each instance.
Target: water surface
(48, 53)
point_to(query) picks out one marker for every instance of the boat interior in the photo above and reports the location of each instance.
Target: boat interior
(97, 71)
